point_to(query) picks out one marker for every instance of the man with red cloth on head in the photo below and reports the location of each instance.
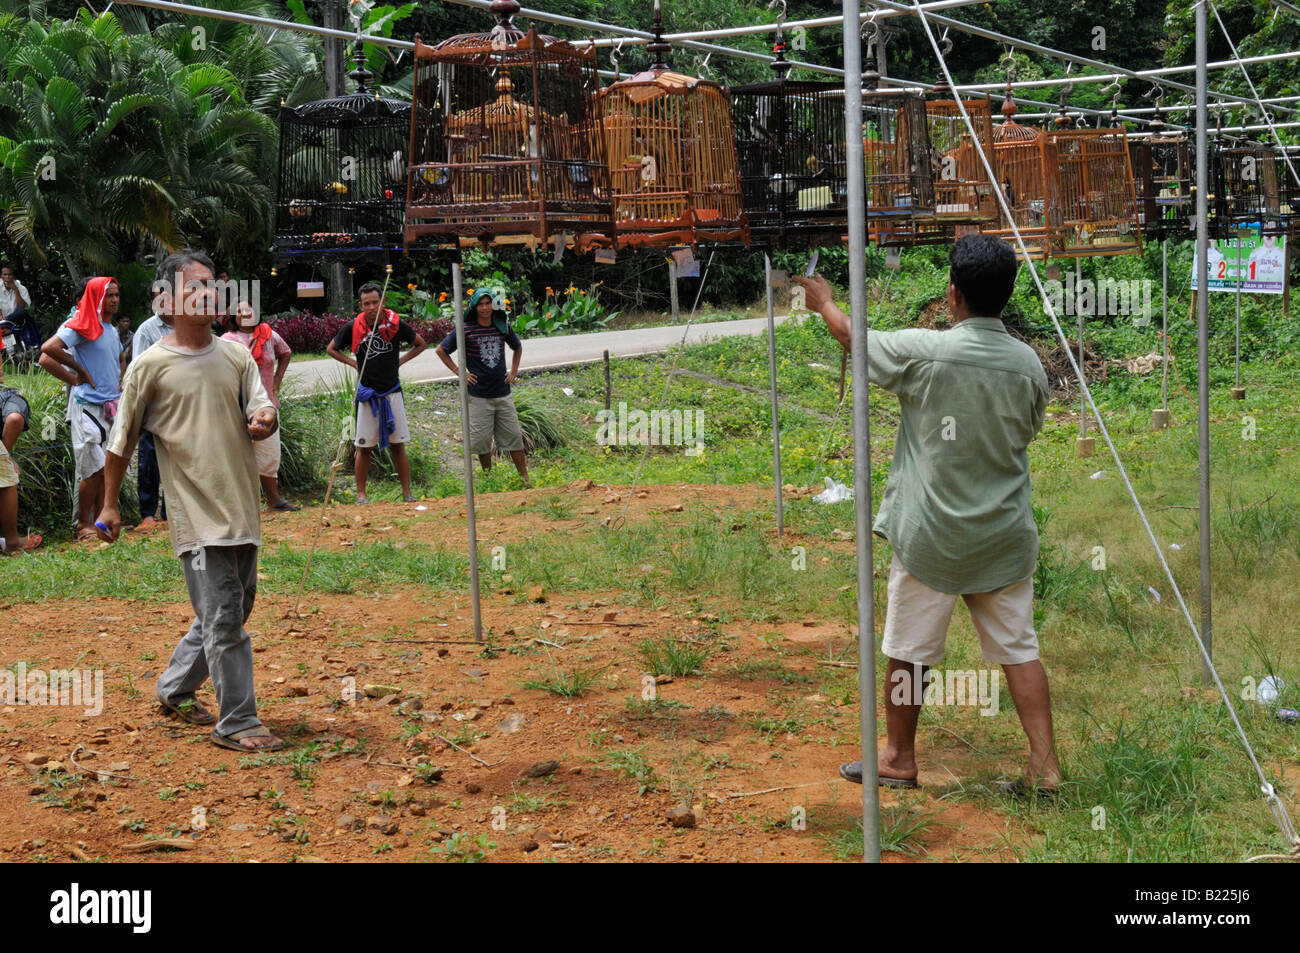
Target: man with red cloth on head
(86, 354)
(376, 339)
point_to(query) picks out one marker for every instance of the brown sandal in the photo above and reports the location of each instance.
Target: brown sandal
(190, 710)
(232, 741)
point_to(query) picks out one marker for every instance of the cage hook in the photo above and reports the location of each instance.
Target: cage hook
(780, 17)
(704, 66)
(945, 43)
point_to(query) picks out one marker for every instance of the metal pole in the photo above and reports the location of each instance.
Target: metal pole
(332, 13)
(771, 380)
(469, 457)
(861, 428)
(672, 288)
(1237, 344)
(1083, 368)
(1203, 338)
(1162, 415)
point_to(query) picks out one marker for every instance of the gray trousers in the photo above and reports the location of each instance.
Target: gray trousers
(222, 582)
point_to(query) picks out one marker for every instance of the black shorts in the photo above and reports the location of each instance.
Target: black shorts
(12, 402)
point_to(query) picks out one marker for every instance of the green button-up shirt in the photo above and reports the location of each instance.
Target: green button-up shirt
(956, 507)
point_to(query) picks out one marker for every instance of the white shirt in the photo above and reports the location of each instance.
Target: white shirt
(8, 301)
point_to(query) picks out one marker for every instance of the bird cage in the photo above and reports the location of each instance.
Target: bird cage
(342, 166)
(1252, 187)
(1164, 179)
(960, 195)
(674, 171)
(1018, 161)
(508, 152)
(1091, 204)
(790, 142)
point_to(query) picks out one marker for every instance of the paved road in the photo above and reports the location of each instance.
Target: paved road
(306, 377)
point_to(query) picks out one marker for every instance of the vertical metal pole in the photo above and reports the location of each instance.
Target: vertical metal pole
(607, 387)
(771, 380)
(1083, 370)
(1164, 324)
(1237, 345)
(1203, 337)
(457, 293)
(672, 287)
(335, 68)
(861, 426)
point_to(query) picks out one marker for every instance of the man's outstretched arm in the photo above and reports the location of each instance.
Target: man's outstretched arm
(818, 297)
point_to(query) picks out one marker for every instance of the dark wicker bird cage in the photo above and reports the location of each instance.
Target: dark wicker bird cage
(674, 172)
(790, 142)
(341, 178)
(1252, 187)
(961, 195)
(509, 152)
(1164, 179)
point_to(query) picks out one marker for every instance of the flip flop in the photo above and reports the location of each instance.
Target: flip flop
(34, 541)
(232, 741)
(190, 710)
(91, 534)
(409, 499)
(852, 771)
(363, 499)
(1021, 791)
(287, 506)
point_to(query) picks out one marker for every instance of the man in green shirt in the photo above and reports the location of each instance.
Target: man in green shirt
(956, 508)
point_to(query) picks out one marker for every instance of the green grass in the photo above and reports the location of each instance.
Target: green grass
(633, 764)
(902, 831)
(572, 683)
(672, 657)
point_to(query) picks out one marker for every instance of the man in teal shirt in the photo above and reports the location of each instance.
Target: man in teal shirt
(956, 508)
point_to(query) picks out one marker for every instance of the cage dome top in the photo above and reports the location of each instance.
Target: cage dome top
(504, 36)
(352, 106)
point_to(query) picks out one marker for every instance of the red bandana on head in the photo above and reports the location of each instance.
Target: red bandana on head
(88, 321)
(257, 339)
(388, 324)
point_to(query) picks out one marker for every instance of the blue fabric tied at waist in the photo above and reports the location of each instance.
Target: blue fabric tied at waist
(381, 408)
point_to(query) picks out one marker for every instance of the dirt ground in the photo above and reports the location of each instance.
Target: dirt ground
(432, 760)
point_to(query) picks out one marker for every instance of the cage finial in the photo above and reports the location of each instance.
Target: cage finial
(658, 47)
(361, 75)
(504, 10)
(1009, 108)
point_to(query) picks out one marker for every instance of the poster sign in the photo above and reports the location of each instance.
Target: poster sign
(1257, 261)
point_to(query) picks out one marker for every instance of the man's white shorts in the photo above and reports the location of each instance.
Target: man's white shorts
(267, 454)
(90, 430)
(368, 423)
(916, 620)
(8, 472)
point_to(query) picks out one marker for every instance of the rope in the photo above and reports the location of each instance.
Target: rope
(1268, 117)
(1278, 809)
(337, 465)
(621, 520)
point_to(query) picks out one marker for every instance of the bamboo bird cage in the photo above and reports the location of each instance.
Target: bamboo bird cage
(341, 174)
(1070, 191)
(960, 195)
(674, 171)
(509, 152)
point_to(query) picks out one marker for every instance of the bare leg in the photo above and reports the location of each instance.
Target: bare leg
(486, 460)
(1027, 683)
(9, 517)
(272, 488)
(520, 460)
(363, 469)
(90, 500)
(904, 684)
(13, 427)
(402, 464)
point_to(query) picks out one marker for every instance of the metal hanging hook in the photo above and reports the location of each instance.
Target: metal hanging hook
(780, 17)
(945, 43)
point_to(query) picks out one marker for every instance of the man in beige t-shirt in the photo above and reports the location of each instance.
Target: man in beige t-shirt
(203, 400)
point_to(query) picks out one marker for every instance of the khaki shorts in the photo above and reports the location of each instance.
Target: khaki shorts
(916, 620)
(8, 472)
(90, 430)
(494, 417)
(267, 454)
(368, 423)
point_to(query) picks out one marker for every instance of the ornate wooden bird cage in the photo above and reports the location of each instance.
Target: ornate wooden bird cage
(1164, 179)
(1070, 191)
(790, 141)
(341, 178)
(959, 195)
(674, 171)
(503, 146)
(1252, 187)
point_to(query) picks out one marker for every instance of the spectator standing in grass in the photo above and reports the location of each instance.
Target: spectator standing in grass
(491, 407)
(153, 508)
(271, 355)
(86, 354)
(15, 416)
(376, 341)
(956, 509)
(204, 402)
